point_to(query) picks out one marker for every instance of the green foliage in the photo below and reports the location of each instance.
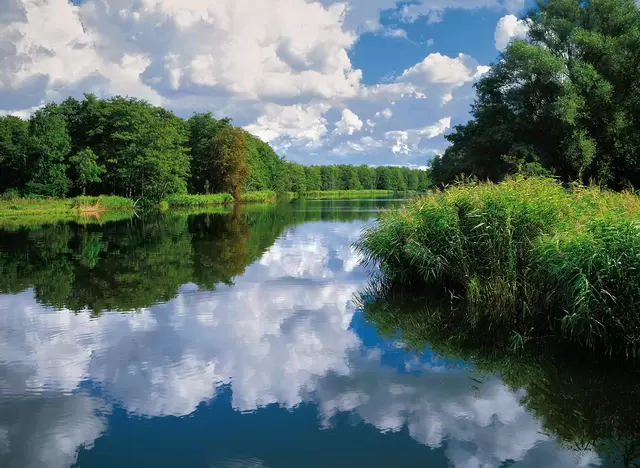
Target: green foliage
(185, 200)
(34, 211)
(295, 179)
(127, 147)
(527, 253)
(105, 203)
(86, 169)
(203, 129)
(230, 170)
(262, 196)
(565, 101)
(342, 194)
(14, 137)
(47, 150)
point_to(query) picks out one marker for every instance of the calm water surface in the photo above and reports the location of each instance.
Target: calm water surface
(232, 340)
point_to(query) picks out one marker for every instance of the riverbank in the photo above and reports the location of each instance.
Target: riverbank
(269, 196)
(17, 212)
(527, 254)
(346, 194)
(22, 212)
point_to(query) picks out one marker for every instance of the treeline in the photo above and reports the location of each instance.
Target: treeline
(565, 101)
(127, 147)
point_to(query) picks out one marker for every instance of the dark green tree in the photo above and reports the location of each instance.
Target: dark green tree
(566, 100)
(14, 142)
(49, 145)
(367, 177)
(313, 176)
(85, 169)
(230, 169)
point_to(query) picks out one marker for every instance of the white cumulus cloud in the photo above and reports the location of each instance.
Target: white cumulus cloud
(348, 124)
(509, 27)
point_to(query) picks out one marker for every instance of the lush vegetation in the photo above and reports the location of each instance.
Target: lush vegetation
(262, 196)
(129, 148)
(183, 200)
(587, 404)
(525, 253)
(564, 101)
(33, 210)
(345, 194)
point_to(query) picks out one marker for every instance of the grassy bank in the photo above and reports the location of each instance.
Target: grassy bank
(527, 254)
(219, 199)
(263, 196)
(342, 194)
(15, 212)
(213, 199)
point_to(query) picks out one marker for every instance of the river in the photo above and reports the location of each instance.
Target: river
(233, 340)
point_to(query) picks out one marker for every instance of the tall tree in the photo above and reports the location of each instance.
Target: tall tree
(49, 145)
(565, 100)
(86, 169)
(14, 142)
(230, 168)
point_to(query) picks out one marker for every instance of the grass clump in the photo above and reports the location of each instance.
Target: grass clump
(102, 203)
(261, 196)
(185, 200)
(526, 253)
(342, 194)
(17, 212)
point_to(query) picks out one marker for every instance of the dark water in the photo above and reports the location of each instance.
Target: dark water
(232, 340)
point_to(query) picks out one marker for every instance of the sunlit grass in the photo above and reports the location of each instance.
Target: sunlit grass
(185, 200)
(22, 212)
(342, 194)
(262, 196)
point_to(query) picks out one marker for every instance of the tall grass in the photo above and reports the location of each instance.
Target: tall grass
(262, 196)
(103, 203)
(19, 212)
(341, 194)
(527, 253)
(185, 200)
(27, 206)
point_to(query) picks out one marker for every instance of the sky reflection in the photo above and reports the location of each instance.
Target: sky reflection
(285, 334)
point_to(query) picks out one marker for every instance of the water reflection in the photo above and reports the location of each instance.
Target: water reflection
(245, 323)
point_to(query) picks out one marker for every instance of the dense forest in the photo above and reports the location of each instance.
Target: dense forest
(564, 101)
(125, 146)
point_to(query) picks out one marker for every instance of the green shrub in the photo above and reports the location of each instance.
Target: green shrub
(10, 194)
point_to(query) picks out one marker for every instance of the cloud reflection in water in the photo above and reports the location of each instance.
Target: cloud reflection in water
(282, 334)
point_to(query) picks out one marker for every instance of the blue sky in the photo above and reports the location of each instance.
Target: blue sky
(350, 81)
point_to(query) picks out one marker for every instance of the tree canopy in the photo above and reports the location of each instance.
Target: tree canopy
(128, 147)
(563, 101)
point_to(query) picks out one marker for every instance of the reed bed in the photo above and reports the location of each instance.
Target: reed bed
(342, 194)
(184, 200)
(261, 196)
(528, 253)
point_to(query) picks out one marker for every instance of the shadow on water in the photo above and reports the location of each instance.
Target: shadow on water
(587, 402)
(138, 262)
